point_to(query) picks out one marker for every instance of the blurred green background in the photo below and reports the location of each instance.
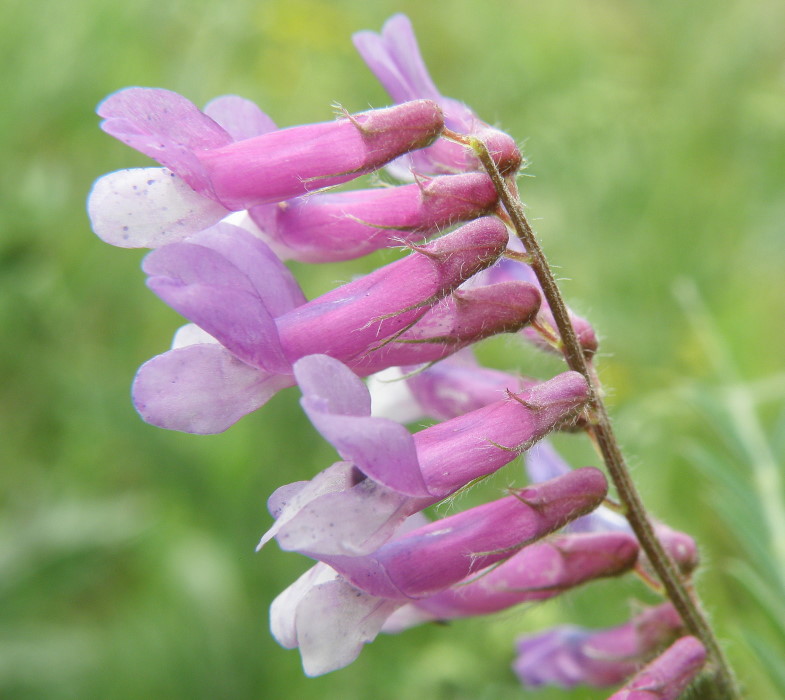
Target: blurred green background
(656, 137)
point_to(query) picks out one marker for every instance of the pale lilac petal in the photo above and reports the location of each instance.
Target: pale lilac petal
(147, 208)
(669, 675)
(568, 655)
(395, 59)
(283, 609)
(271, 279)
(240, 118)
(290, 500)
(165, 126)
(212, 291)
(451, 455)
(392, 398)
(458, 385)
(201, 389)
(317, 520)
(338, 404)
(333, 621)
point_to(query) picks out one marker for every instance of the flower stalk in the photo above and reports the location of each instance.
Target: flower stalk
(682, 596)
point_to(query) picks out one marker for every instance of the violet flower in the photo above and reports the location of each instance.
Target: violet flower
(539, 571)
(390, 474)
(149, 207)
(231, 285)
(668, 676)
(416, 564)
(568, 655)
(546, 335)
(345, 225)
(270, 167)
(395, 59)
(543, 463)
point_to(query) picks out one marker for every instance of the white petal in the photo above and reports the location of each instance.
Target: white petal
(391, 397)
(190, 334)
(147, 208)
(333, 621)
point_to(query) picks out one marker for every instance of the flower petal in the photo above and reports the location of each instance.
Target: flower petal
(147, 208)
(241, 118)
(201, 389)
(165, 126)
(339, 406)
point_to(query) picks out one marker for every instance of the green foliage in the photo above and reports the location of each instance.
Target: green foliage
(656, 136)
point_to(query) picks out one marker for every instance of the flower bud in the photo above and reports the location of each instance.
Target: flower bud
(567, 656)
(668, 676)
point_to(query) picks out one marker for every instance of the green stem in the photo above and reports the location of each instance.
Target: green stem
(682, 597)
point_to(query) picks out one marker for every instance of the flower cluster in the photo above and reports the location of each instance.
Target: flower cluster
(234, 197)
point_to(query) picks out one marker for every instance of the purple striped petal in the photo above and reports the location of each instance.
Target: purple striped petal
(283, 164)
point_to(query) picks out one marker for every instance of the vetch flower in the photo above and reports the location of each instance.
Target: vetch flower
(539, 571)
(543, 463)
(270, 167)
(390, 474)
(233, 287)
(668, 676)
(418, 563)
(568, 655)
(395, 59)
(545, 335)
(325, 227)
(149, 207)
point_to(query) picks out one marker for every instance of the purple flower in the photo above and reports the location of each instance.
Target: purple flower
(395, 59)
(543, 462)
(418, 563)
(233, 287)
(668, 676)
(545, 335)
(149, 207)
(568, 655)
(270, 167)
(344, 225)
(458, 320)
(538, 572)
(390, 474)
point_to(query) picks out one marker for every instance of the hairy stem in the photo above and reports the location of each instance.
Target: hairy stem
(681, 596)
